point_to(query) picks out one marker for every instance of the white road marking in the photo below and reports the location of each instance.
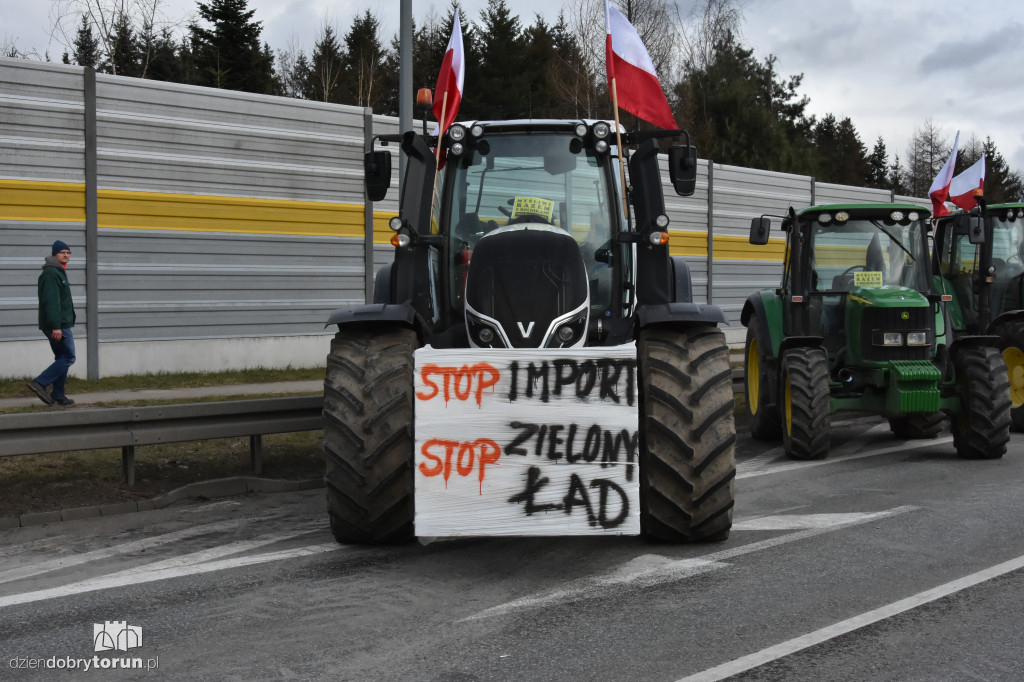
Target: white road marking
(791, 646)
(205, 561)
(796, 521)
(653, 569)
(125, 548)
(790, 465)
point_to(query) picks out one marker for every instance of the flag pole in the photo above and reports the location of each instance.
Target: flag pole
(437, 147)
(622, 154)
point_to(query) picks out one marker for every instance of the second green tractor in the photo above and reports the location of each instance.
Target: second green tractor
(858, 324)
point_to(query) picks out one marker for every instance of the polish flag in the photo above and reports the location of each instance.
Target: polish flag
(448, 92)
(630, 66)
(965, 188)
(939, 190)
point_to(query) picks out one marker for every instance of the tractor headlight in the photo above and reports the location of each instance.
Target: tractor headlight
(842, 217)
(456, 149)
(896, 216)
(892, 339)
(483, 331)
(913, 216)
(581, 130)
(568, 331)
(601, 130)
(601, 146)
(457, 133)
(477, 131)
(917, 338)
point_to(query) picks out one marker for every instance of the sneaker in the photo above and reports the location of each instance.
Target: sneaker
(64, 401)
(40, 391)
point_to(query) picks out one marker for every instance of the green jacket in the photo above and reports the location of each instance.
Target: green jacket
(56, 310)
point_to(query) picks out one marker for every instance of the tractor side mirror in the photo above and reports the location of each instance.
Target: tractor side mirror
(377, 174)
(682, 168)
(975, 229)
(759, 229)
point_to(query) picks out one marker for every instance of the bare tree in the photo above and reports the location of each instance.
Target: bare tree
(655, 21)
(928, 151)
(706, 26)
(145, 17)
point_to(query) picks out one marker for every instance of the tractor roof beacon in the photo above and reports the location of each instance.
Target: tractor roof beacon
(857, 324)
(523, 243)
(978, 262)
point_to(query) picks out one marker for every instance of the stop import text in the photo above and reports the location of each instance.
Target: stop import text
(603, 379)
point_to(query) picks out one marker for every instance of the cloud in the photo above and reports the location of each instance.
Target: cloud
(968, 53)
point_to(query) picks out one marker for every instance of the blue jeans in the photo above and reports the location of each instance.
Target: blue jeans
(63, 358)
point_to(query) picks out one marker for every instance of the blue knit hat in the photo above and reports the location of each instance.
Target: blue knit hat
(59, 246)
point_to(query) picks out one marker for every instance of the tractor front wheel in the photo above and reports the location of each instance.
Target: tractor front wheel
(762, 410)
(982, 429)
(687, 435)
(1012, 335)
(368, 435)
(806, 418)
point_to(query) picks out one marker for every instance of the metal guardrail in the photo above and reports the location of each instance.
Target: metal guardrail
(128, 427)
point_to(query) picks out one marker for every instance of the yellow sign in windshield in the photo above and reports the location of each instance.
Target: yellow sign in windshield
(533, 206)
(867, 280)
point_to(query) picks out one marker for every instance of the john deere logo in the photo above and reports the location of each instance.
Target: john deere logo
(904, 316)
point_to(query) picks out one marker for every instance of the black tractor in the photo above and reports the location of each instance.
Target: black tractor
(521, 241)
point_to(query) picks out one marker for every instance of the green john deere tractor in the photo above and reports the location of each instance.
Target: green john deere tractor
(979, 261)
(856, 325)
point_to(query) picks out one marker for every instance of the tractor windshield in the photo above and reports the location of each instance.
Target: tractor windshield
(867, 252)
(547, 179)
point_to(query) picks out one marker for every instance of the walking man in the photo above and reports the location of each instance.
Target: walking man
(56, 318)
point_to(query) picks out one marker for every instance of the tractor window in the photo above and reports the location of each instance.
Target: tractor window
(512, 179)
(867, 253)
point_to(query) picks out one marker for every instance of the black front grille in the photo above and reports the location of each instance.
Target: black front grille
(878, 320)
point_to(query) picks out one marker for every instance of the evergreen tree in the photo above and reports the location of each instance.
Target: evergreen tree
(740, 113)
(503, 85)
(1002, 185)
(363, 62)
(896, 178)
(878, 170)
(228, 54)
(928, 152)
(124, 58)
(539, 57)
(87, 47)
(164, 59)
(325, 69)
(572, 83)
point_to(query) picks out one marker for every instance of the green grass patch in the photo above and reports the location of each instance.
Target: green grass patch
(15, 388)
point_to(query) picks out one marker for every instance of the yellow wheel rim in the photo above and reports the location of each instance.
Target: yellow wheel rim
(1014, 358)
(788, 399)
(753, 377)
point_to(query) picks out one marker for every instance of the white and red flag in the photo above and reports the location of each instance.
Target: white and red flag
(629, 65)
(965, 188)
(448, 92)
(939, 190)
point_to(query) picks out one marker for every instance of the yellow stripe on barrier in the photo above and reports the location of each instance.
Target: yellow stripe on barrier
(121, 209)
(43, 201)
(118, 209)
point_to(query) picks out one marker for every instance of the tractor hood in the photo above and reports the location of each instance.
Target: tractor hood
(888, 323)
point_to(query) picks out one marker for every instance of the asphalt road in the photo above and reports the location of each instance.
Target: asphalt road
(889, 560)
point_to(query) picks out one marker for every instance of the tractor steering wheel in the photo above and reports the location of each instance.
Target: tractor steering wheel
(850, 269)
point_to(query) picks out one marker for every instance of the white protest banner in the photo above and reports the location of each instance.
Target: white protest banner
(527, 442)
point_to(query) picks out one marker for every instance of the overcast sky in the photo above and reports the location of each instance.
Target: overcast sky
(887, 64)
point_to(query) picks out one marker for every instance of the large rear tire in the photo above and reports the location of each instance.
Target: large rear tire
(762, 409)
(687, 435)
(982, 429)
(804, 399)
(368, 435)
(917, 425)
(1012, 335)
